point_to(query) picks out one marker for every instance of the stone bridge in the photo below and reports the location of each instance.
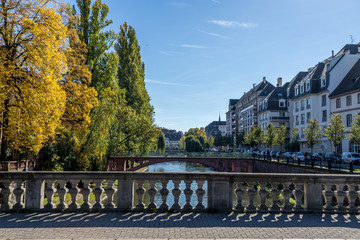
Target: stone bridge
(221, 164)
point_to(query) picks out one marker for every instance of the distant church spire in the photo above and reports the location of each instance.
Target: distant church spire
(219, 117)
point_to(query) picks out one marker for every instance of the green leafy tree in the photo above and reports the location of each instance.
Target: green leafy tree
(354, 131)
(259, 135)
(161, 143)
(335, 131)
(312, 133)
(182, 143)
(131, 71)
(270, 135)
(211, 141)
(250, 137)
(193, 144)
(280, 136)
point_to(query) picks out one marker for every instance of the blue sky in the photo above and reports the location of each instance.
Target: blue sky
(200, 53)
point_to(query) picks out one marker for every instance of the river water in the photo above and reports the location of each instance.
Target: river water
(177, 167)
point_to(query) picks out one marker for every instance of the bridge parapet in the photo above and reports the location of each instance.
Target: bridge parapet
(117, 191)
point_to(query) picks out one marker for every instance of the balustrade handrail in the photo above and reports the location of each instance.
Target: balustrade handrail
(27, 190)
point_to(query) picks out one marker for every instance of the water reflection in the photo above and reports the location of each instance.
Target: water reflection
(177, 167)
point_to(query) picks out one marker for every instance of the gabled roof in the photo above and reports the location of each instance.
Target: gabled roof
(262, 89)
(233, 101)
(274, 97)
(294, 81)
(350, 83)
(353, 48)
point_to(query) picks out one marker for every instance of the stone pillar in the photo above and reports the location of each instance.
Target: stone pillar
(34, 194)
(220, 195)
(313, 196)
(125, 194)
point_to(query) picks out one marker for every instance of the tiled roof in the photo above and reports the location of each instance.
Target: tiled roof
(350, 83)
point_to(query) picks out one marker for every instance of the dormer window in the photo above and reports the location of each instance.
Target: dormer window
(282, 103)
(302, 88)
(328, 67)
(323, 81)
(288, 92)
(296, 90)
(308, 86)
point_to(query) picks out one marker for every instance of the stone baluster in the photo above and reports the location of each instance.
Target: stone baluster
(85, 191)
(239, 196)
(6, 192)
(328, 196)
(164, 193)
(61, 191)
(176, 192)
(275, 192)
(109, 191)
(98, 190)
(18, 191)
(49, 193)
(188, 192)
(200, 192)
(152, 192)
(140, 194)
(252, 192)
(73, 191)
(263, 194)
(352, 198)
(341, 194)
(287, 194)
(298, 196)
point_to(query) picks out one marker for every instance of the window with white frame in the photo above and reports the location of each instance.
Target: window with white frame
(296, 106)
(302, 88)
(348, 100)
(323, 81)
(296, 90)
(348, 120)
(308, 86)
(308, 116)
(282, 103)
(308, 103)
(323, 100)
(338, 103)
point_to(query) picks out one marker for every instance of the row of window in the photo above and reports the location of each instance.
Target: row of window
(302, 105)
(302, 88)
(348, 101)
(302, 118)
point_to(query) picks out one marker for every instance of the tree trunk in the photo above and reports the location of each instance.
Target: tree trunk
(5, 123)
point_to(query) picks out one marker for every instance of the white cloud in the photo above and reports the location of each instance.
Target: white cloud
(192, 46)
(233, 24)
(213, 34)
(215, 1)
(166, 83)
(169, 53)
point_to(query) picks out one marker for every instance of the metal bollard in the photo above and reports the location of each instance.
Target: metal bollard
(287, 160)
(329, 164)
(312, 162)
(351, 166)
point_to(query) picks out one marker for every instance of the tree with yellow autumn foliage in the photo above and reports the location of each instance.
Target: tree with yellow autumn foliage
(32, 60)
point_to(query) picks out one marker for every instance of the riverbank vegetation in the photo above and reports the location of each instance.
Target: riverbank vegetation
(72, 91)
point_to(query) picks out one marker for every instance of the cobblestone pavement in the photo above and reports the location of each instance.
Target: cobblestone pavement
(177, 226)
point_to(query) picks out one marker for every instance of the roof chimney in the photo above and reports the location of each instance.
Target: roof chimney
(254, 85)
(264, 79)
(279, 82)
(332, 53)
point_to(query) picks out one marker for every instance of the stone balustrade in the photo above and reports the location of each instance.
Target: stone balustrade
(125, 191)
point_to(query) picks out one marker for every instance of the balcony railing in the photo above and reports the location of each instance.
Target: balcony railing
(104, 191)
(279, 118)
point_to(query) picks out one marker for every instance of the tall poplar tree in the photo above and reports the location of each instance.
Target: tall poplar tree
(270, 135)
(131, 72)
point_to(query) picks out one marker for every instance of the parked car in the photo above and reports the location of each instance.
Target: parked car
(351, 156)
(299, 155)
(288, 155)
(333, 157)
(273, 154)
(317, 156)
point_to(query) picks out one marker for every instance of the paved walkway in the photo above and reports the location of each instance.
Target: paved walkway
(177, 226)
